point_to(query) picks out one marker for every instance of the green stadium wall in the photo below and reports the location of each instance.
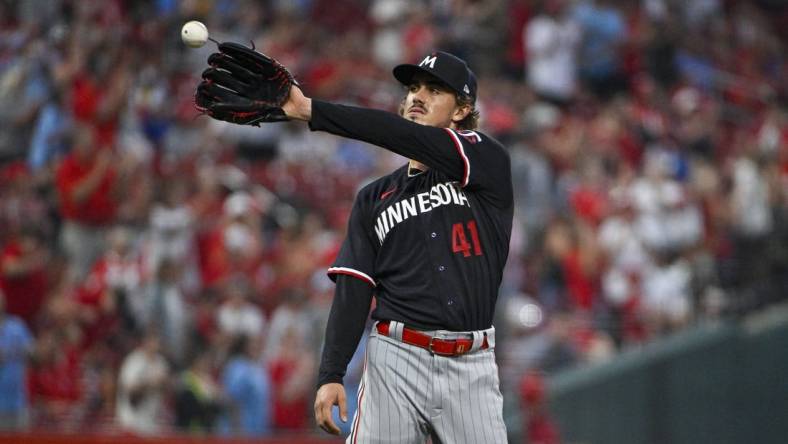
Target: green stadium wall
(724, 383)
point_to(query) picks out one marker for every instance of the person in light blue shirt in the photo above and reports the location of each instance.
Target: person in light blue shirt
(248, 390)
(49, 133)
(15, 346)
(604, 31)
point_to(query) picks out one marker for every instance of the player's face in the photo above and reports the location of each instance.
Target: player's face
(431, 102)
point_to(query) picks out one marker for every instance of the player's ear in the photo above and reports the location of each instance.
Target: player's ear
(461, 112)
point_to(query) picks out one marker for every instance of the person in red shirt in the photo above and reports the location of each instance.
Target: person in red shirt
(23, 274)
(99, 93)
(234, 245)
(89, 182)
(540, 427)
(55, 382)
(111, 297)
(291, 370)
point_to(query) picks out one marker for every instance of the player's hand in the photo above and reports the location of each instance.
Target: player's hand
(327, 397)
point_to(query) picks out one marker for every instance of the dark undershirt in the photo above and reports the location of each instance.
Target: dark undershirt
(349, 311)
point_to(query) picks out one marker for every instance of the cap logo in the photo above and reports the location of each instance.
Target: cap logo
(429, 60)
(466, 89)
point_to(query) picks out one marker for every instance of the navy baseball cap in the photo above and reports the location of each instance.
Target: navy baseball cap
(448, 68)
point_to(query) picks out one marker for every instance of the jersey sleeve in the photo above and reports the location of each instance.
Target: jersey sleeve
(486, 165)
(469, 157)
(357, 255)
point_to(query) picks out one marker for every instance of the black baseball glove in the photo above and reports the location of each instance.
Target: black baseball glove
(243, 86)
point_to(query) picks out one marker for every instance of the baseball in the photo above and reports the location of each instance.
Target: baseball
(194, 34)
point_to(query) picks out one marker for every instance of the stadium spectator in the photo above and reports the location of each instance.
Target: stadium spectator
(540, 427)
(603, 32)
(172, 233)
(233, 245)
(56, 384)
(143, 382)
(292, 368)
(166, 309)
(50, 132)
(89, 185)
(292, 312)
(238, 316)
(23, 273)
(551, 41)
(24, 90)
(100, 87)
(110, 296)
(23, 206)
(247, 386)
(16, 345)
(198, 397)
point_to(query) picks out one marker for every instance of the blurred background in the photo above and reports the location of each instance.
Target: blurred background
(162, 274)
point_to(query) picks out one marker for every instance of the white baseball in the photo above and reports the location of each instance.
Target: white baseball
(194, 34)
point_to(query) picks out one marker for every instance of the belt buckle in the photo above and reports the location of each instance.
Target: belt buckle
(432, 350)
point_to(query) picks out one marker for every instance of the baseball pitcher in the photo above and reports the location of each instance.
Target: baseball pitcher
(429, 241)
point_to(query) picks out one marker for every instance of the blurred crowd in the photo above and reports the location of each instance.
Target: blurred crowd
(162, 272)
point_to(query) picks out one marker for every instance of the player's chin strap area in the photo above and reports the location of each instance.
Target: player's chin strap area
(440, 342)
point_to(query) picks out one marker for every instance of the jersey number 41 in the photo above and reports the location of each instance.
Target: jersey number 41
(459, 241)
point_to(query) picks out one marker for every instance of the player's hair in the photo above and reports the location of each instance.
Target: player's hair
(471, 121)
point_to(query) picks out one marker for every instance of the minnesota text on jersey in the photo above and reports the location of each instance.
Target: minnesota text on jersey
(440, 194)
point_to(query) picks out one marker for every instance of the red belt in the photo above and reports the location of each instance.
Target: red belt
(434, 344)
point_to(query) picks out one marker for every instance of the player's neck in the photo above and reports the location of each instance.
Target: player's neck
(416, 167)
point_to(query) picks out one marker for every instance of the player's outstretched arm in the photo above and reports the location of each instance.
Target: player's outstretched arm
(328, 396)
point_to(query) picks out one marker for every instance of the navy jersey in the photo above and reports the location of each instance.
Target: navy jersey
(433, 244)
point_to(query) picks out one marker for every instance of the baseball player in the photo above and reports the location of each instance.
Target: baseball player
(429, 241)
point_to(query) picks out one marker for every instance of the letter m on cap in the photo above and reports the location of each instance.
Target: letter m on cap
(429, 60)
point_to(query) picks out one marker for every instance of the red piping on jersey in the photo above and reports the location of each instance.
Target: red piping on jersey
(386, 194)
(352, 272)
(467, 165)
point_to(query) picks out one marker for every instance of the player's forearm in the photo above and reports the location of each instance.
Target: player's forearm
(345, 326)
